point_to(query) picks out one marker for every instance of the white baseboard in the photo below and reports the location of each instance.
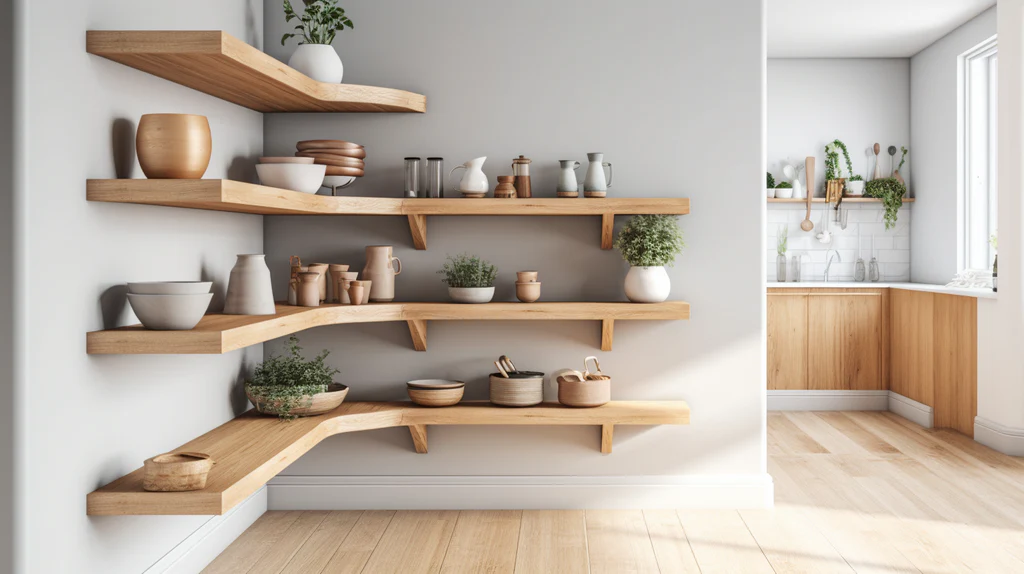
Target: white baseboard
(202, 546)
(779, 400)
(911, 410)
(1007, 440)
(519, 492)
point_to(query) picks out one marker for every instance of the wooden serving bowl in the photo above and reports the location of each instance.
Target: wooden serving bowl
(310, 405)
(174, 146)
(436, 393)
(177, 472)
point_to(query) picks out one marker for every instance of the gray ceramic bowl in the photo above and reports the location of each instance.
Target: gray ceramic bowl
(169, 312)
(170, 287)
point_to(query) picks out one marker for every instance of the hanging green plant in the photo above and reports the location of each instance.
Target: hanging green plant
(903, 158)
(832, 169)
(891, 192)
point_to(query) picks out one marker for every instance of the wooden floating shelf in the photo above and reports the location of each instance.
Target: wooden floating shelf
(845, 200)
(217, 334)
(223, 66)
(227, 195)
(252, 449)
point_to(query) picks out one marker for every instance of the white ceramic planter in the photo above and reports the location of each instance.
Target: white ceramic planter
(318, 61)
(784, 192)
(771, 191)
(647, 284)
(249, 288)
(471, 294)
(855, 187)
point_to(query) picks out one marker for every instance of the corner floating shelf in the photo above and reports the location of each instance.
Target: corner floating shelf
(252, 449)
(223, 66)
(227, 195)
(822, 200)
(217, 334)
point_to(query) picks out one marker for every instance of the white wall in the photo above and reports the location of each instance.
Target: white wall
(812, 102)
(649, 91)
(86, 420)
(934, 108)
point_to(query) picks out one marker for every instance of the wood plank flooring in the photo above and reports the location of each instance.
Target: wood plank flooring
(854, 492)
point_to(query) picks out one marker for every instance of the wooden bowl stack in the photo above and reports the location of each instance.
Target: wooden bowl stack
(341, 158)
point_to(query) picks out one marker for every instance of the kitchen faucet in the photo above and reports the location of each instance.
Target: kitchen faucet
(828, 263)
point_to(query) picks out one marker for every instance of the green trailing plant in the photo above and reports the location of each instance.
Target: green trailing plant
(650, 240)
(903, 157)
(468, 271)
(290, 381)
(856, 178)
(320, 21)
(771, 180)
(832, 169)
(784, 185)
(783, 242)
(891, 192)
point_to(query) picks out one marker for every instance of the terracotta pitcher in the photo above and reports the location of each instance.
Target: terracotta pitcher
(381, 268)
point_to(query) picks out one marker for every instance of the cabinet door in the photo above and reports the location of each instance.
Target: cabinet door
(787, 341)
(913, 350)
(844, 344)
(825, 342)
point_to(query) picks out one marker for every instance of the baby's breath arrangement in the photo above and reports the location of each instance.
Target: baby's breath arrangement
(468, 271)
(289, 381)
(650, 240)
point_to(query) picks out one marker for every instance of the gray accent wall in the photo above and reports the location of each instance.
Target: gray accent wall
(933, 134)
(672, 93)
(86, 420)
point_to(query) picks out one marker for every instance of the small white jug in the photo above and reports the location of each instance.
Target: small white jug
(595, 180)
(567, 177)
(474, 180)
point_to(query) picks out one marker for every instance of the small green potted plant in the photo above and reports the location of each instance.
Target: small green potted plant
(289, 386)
(784, 190)
(855, 186)
(469, 278)
(317, 26)
(891, 191)
(649, 243)
(770, 183)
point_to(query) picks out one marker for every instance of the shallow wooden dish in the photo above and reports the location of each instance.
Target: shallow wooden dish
(326, 144)
(177, 472)
(437, 397)
(309, 406)
(429, 384)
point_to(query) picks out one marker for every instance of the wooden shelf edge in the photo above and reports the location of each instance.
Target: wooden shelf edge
(845, 200)
(252, 449)
(218, 334)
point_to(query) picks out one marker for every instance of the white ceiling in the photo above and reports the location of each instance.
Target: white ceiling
(863, 28)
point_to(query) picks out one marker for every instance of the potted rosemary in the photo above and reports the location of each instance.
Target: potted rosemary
(290, 386)
(469, 279)
(649, 243)
(317, 26)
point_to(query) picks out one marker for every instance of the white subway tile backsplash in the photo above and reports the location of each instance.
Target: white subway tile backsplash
(895, 271)
(883, 242)
(776, 217)
(902, 243)
(893, 256)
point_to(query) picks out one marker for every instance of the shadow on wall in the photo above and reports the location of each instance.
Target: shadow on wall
(122, 141)
(112, 305)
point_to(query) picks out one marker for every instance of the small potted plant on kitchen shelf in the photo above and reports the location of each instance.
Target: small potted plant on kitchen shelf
(891, 191)
(770, 185)
(855, 186)
(318, 24)
(784, 190)
(649, 243)
(780, 248)
(289, 386)
(469, 279)
(903, 160)
(834, 181)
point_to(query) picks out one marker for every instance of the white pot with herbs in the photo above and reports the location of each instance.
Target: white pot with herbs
(289, 386)
(469, 278)
(318, 24)
(649, 243)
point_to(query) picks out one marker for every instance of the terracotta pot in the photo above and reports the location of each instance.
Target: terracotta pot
(381, 268)
(174, 146)
(355, 292)
(309, 289)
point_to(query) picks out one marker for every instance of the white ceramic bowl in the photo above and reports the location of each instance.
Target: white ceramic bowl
(169, 312)
(471, 294)
(287, 159)
(294, 176)
(339, 181)
(170, 287)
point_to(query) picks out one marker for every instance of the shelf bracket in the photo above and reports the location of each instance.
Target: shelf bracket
(607, 333)
(418, 228)
(606, 439)
(607, 229)
(419, 437)
(418, 330)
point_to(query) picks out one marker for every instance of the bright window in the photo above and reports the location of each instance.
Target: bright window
(978, 198)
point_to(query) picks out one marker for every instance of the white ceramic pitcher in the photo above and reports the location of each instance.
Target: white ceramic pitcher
(595, 180)
(474, 180)
(567, 177)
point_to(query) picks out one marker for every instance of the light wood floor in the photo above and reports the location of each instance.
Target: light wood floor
(855, 492)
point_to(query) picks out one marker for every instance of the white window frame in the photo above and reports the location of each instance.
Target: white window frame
(968, 218)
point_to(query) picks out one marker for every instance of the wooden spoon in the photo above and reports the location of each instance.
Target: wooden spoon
(807, 224)
(878, 164)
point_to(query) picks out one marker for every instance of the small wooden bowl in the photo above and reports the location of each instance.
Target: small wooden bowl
(441, 395)
(350, 171)
(528, 292)
(331, 159)
(177, 472)
(313, 405)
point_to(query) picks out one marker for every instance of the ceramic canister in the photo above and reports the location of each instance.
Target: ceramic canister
(381, 268)
(334, 270)
(345, 278)
(309, 289)
(249, 289)
(322, 269)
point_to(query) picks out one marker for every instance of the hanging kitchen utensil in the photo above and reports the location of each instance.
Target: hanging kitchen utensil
(878, 162)
(892, 156)
(807, 224)
(596, 375)
(507, 364)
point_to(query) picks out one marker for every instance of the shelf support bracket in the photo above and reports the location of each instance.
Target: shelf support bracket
(607, 229)
(419, 437)
(606, 438)
(418, 330)
(418, 228)
(607, 333)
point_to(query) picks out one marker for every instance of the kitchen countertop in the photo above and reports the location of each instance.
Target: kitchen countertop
(964, 291)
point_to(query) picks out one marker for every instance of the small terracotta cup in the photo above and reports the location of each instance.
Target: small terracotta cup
(345, 278)
(334, 270)
(355, 292)
(526, 276)
(528, 292)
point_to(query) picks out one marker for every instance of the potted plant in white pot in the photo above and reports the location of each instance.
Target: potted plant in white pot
(317, 26)
(784, 190)
(855, 186)
(469, 279)
(649, 243)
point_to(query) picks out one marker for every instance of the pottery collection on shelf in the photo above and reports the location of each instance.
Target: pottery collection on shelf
(173, 146)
